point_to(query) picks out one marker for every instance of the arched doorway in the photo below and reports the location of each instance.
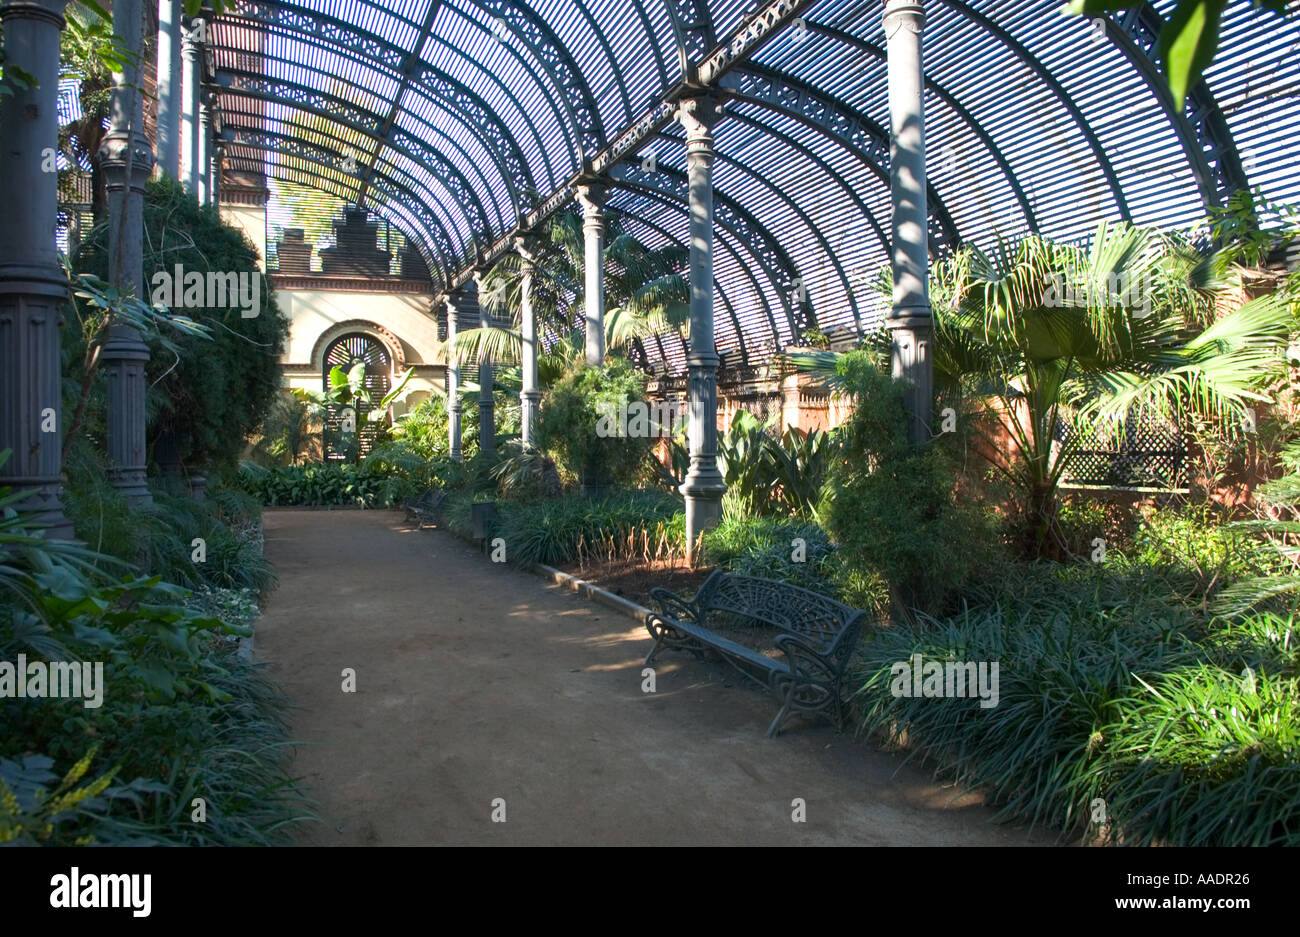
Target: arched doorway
(346, 352)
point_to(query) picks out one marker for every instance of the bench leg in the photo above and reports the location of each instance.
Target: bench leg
(775, 727)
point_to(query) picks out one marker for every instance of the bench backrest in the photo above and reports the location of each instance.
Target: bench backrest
(798, 611)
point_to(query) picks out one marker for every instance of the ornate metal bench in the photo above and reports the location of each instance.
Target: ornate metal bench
(793, 642)
(424, 509)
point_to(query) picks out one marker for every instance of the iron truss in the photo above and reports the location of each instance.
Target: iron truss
(368, 124)
(469, 154)
(332, 159)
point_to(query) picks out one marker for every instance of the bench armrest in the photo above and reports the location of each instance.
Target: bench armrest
(808, 659)
(673, 605)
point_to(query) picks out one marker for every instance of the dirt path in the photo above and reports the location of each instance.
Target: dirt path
(476, 681)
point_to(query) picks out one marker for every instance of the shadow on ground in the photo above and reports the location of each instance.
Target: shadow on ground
(477, 681)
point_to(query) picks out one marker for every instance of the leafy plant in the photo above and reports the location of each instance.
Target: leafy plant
(570, 424)
(32, 807)
(646, 294)
(1042, 333)
(639, 525)
(1277, 526)
(209, 388)
(893, 507)
(102, 308)
(1183, 725)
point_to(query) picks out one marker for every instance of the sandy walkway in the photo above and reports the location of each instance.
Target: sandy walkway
(477, 681)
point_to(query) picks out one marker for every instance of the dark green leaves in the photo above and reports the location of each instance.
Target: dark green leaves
(1188, 43)
(1188, 40)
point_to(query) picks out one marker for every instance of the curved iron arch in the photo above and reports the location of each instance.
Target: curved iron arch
(671, 203)
(845, 187)
(272, 142)
(1201, 127)
(364, 122)
(776, 90)
(722, 293)
(370, 51)
(803, 314)
(669, 195)
(727, 215)
(950, 100)
(693, 27)
(1058, 91)
(534, 32)
(762, 244)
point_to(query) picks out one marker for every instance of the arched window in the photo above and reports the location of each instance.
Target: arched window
(346, 352)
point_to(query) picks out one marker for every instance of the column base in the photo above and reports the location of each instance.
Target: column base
(529, 405)
(703, 490)
(911, 362)
(131, 484)
(44, 507)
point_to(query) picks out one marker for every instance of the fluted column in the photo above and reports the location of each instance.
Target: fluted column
(218, 154)
(127, 161)
(192, 79)
(203, 173)
(487, 433)
(910, 319)
(704, 486)
(169, 86)
(455, 303)
(591, 195)
(32, 283)
(530, 395)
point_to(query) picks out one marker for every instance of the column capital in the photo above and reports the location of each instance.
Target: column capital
(699, 114)
(193, 30)
(527, 247)
(49, 10)
(903, 14)
(591, 194)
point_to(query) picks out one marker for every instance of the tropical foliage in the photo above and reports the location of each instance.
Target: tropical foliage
(645, 294)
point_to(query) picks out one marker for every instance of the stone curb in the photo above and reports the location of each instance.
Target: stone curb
(592, 591)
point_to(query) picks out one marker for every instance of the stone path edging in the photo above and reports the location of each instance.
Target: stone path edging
(593, 591)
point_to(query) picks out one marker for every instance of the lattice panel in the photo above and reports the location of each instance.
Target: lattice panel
(1149, 453)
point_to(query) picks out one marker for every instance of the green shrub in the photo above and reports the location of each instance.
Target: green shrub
(1082, 520)
(770, 475)
(622, 525)
(1109, 689)
(570, 424)
(214, 392)
(369, 485)
(893, 507)
(1195, 550)
(180, 714)
(161, 541)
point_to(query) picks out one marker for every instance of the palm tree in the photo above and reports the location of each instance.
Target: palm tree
(646, 293)
(1048, 332)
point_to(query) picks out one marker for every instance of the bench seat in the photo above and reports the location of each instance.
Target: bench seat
(794, 642)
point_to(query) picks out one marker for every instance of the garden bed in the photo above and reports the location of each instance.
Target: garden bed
(633, 579)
